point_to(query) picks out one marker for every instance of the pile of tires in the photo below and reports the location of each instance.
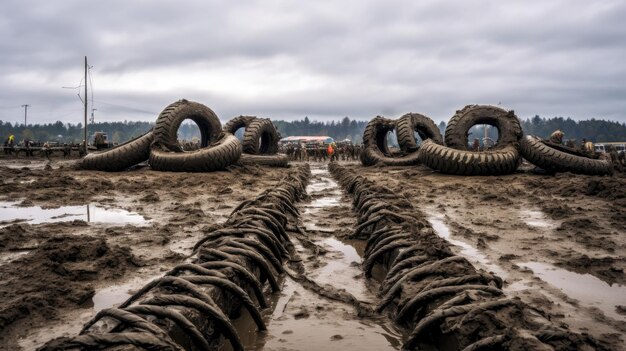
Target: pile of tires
(455, 158)
(451, 155)
(376, 150)
(259, 143)
(218, 148)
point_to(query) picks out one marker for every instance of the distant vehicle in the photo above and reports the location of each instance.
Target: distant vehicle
(310, 141)
(603, 147)
(99, 140)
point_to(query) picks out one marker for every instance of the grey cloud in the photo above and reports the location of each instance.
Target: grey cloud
(554, 57)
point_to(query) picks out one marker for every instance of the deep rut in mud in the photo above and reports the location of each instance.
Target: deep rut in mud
(325, 298)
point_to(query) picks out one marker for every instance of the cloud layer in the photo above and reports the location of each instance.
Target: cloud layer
(323, 59)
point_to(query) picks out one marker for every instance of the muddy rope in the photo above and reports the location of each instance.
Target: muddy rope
(431, 291)
(189, 306)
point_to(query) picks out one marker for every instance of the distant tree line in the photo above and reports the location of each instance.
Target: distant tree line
(591, 129)
(338, 130)
(595, 130)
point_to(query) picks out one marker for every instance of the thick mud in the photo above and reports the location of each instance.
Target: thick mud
(323, 311)
(558, 241)
(73, 242)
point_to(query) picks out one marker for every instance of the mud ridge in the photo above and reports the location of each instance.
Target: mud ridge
(441, 297)
(191, 307)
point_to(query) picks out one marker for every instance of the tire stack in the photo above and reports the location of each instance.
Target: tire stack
(455, 158)
(375, 149)
(451, 155)
(218, 148)
(260, 141)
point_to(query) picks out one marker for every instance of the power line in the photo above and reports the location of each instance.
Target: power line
(128, 108)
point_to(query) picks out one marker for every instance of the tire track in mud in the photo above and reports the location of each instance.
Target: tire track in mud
(325, 301)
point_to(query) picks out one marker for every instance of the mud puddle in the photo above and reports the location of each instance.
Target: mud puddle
(105, 297)
(474, 255)
(302, 319)
(536, 218)
(587, 289)
(12, 212)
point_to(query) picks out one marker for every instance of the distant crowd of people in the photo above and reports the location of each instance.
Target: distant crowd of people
(29, 148)
(321, 152)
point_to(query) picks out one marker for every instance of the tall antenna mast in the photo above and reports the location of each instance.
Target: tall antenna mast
(85, 132)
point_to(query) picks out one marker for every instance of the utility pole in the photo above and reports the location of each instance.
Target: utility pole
(25, 114)
(92, 116)
(85, 134)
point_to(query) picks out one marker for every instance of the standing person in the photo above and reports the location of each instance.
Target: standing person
(11, 144)
(590, 149)
(46, 150)
(617, 165)
(557, 137)
(476, 145)
(330, 152)
(305, 154)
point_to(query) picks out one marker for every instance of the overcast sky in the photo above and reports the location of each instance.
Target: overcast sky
(322, 59)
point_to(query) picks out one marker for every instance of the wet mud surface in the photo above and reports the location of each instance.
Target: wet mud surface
(74, 242)
(328, 308)
(559, 242)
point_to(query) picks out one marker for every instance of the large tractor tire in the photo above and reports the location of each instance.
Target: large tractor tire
(236, 123)
(120, 157)
(507, 123)
(469, 163)
(218, 150)
(407, 125)
(375, 149)
(276, 160)
(260, 137)
(553, 160)
(217, 156)
(168, 122)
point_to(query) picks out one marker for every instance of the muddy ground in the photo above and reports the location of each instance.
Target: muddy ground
(558, 242)
(74, 242)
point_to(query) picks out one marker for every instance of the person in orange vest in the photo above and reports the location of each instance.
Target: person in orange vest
(331, 151)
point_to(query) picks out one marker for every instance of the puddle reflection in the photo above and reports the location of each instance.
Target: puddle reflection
(585, 288)
(11, 212)
(466, 250)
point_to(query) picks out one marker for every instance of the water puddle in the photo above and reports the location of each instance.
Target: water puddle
(342, 269)
(586, 288)
(466, 250)
(114, 295)
(11, 212)
(535, 218)
(304, 321)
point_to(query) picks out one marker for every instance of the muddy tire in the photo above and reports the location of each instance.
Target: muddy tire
(121, 157)
(260, 137)
(375, 149)
(168, 122)
(507, 123)
(407, 125)
(469, 163)
(543, 156)
(236, 123)
(217, 156)
(373, 156)
(277, 160)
